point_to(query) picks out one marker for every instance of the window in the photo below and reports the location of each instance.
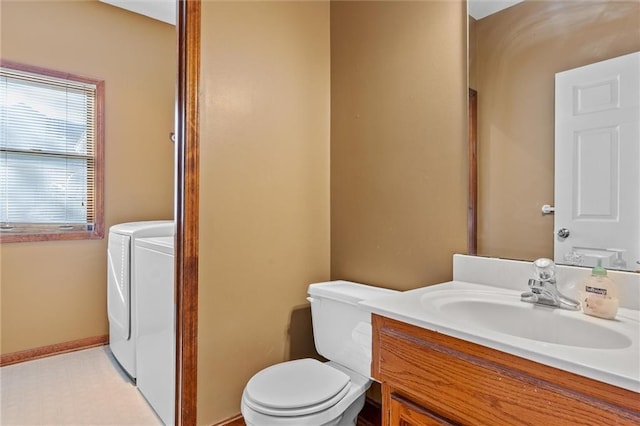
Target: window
(51, 138)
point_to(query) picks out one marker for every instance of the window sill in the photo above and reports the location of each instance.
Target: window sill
(26, 236)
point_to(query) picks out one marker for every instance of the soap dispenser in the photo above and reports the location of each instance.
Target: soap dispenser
(599, 294)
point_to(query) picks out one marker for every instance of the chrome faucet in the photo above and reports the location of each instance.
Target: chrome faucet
(543, 288)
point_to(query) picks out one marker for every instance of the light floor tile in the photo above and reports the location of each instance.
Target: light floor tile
(80, 388)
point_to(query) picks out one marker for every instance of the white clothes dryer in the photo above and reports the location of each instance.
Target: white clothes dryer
(121, 299)
(155, 353)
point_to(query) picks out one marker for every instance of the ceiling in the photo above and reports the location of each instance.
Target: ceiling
(165, 10)
(481, 8)
(162, 10)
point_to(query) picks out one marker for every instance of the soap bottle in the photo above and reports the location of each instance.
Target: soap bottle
(599, 294)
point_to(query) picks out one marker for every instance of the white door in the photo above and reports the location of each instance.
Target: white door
(597, 164)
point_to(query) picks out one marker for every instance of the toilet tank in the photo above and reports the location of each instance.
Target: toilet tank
(341, 326)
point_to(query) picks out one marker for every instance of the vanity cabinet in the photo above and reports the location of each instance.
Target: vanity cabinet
(404, 412)
(429, 378)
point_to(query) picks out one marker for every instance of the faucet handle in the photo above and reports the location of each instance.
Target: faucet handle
(543, 289)
(536, 286)
(545, 269)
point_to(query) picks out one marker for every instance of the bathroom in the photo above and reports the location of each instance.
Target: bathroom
(288, 195)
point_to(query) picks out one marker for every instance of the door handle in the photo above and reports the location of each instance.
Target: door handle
(547, 209)
(563, 233)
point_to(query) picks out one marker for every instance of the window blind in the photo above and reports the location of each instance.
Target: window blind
(47, 152)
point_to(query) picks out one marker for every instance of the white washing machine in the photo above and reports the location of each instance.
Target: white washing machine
(121, 299)
(155, 354)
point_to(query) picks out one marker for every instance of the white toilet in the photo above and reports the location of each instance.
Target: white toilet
(307, 392)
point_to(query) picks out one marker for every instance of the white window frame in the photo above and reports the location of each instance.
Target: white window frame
(94, 228)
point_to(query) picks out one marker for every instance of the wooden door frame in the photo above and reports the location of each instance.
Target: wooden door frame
(472, 211)
(187, 194)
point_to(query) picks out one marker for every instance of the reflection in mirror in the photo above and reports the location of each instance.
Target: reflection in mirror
(63, 299)
(597, 156)
(514, 56)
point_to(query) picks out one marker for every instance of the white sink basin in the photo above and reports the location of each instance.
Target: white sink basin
(505, 313)
(605, 350)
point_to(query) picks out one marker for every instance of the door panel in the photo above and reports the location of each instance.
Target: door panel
(597, 166)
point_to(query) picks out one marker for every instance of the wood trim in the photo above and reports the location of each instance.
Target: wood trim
(472, 211)
(52, 236)
(99, 166)
(403, 411)
(236, 420)
(56, 349)
(47, 71)
(186, 210)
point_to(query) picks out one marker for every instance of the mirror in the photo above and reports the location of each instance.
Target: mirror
(514, 55)
(136, 57)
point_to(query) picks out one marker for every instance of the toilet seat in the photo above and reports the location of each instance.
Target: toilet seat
(296, 388)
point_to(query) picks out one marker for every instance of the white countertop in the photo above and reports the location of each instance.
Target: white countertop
(616, 366)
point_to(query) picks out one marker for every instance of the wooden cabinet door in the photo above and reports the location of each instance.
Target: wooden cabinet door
(403, 412)
(464, 383)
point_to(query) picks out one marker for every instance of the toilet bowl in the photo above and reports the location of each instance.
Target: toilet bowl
(314, 404)
(308, 392)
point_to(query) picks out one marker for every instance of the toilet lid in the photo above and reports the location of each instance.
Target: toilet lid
(296, 388)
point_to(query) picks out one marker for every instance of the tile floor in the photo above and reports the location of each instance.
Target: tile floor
(80, 388)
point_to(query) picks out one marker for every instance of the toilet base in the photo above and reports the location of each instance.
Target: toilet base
(348, 418)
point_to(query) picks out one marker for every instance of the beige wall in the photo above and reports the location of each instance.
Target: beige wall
(264, 189)
(472, 48)
(398, 141)
(518, 53)
(55, 292)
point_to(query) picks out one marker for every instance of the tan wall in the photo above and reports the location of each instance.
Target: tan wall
(55, 292)
(471, 51)
(398, 141)
(519, 52)
(264, 189)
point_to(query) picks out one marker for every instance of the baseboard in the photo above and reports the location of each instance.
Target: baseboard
(236, 420)
(371, 415)
(58, 348)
